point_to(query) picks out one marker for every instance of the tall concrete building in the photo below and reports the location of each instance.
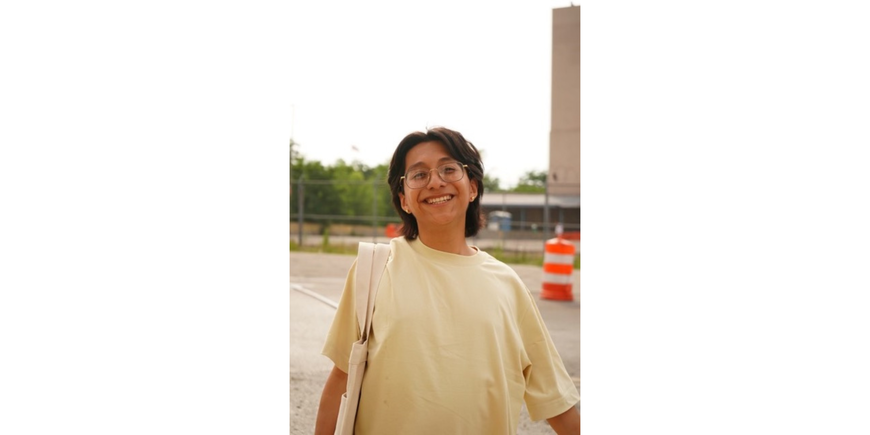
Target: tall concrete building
(564, 173)
(561, 205)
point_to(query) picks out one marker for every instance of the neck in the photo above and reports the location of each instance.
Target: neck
(450, 242)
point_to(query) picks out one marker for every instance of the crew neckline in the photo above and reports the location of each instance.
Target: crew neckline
(446, 257)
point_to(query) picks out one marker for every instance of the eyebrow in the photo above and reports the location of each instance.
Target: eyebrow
(418, 164)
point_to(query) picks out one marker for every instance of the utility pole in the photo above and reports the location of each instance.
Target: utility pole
(546, 208)
(292, 142)
(301, 195)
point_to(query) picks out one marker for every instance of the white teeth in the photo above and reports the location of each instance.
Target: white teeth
(439, 199)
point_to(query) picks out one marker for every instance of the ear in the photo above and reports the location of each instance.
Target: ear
(473, 188)
(402, 201)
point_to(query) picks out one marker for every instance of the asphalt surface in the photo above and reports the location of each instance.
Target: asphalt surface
(316, 282)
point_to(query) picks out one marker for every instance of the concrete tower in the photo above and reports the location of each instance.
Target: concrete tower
(564, 173)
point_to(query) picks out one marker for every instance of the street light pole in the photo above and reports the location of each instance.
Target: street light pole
(301, 195)
(292, 142)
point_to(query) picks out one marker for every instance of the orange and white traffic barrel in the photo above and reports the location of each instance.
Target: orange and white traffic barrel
(558, 270)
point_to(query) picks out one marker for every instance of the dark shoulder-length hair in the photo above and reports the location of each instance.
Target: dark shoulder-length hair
(458, 148)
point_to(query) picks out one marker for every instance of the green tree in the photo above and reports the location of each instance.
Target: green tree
(491, 184)
(378, 175)
(319, 197)
(532, 182)
(343, 191)
(353, 192)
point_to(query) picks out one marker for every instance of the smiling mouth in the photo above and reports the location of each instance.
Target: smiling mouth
(439, 200)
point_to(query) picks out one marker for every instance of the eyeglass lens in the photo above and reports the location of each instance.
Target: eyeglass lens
(449, 172)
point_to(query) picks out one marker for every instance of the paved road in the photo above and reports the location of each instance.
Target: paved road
(310, 317)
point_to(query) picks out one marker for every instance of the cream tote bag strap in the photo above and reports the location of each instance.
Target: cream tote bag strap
(371, 261)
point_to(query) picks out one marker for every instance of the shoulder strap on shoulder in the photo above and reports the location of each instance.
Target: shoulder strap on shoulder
(363, 277)
(371, 261)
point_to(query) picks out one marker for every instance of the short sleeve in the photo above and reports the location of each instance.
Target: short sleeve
(549, 389)
(345, 327)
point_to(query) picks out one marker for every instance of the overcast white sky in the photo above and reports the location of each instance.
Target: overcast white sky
(365, 74)
(144, 209)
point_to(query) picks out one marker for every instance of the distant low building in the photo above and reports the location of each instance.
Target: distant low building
(527, 211)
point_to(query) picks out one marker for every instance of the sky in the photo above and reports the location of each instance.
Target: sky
(359, 85)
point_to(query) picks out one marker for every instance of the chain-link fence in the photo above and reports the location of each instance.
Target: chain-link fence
(346, 212)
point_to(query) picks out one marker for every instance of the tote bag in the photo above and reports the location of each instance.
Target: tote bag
(371, 261)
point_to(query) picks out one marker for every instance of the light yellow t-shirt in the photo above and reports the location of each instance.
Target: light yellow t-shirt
(457, 345)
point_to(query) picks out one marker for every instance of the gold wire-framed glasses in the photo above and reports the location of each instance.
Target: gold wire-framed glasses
(449, 172)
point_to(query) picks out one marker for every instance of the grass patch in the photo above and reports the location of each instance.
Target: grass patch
(508, 257)
(517, 257)
(326, 249)
(522, 257)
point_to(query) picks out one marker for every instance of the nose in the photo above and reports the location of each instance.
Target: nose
(436, 178)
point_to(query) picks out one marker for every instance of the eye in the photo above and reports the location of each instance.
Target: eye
(419, 175)
(449, 169)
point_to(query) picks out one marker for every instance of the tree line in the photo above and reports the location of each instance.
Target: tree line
(343, 192)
